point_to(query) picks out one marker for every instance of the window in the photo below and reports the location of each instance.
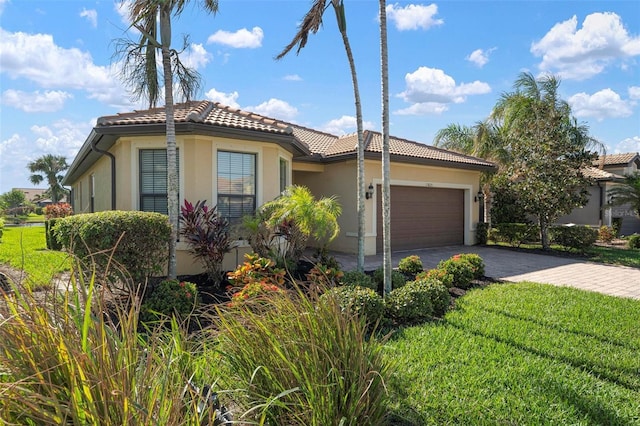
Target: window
(153, 180)
(236, 184)
(284, 174)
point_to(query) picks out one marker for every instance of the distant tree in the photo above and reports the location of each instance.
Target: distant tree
(50, 168)
(152, 18)
(549, 150)
(12, 201)
(310, 24)
(627, 193)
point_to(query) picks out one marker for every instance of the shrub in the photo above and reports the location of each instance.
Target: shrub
(575, 237)
(324, 276)
(256, 269)
(358, 300)
(476, 262)
(410, 303)
(459, 269)
(437, 274)
(616, 224)
(358, 278)
(410, 265)
(254, 293)
(136, 241)
(208, 236)
(397, 278)
(438, 294)
(170, 298)
(57, 210)
(606, 234)
(515, 233)
(634, 241)
(482, 233)
(1, 228)
(304, 363)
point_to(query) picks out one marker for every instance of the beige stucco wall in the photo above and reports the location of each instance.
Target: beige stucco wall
(339, 179)
(198, 169)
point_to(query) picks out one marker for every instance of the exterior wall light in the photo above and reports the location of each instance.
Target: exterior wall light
(369, 193)
(479, 196)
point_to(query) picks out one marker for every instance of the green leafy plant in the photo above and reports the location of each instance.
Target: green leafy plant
(515, 233)
(358, 278)
(170, 298)
(358, 300)
(459, 269)
(409, 304)
(438, 294)
(440, 275)
(574, 237)
(482, 233)
(634, 241)
(208, 236)
(121, 244)
(475, 261)
(52, 212)
(253, 294)
(397, 278)
(606, 234)
(324, 276)
(410, 265)
(1, 228)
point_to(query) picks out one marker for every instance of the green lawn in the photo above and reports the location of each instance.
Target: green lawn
(24, 248)
(522, 354)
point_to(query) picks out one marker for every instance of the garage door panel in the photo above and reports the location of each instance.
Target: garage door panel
(423, 217)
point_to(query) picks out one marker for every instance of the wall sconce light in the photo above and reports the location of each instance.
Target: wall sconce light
(369, 193)
(479, 197)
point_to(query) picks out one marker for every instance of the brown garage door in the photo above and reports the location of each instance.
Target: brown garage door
(423, 217)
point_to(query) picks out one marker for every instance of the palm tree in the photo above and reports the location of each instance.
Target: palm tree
(152, 18)
(386, 158)
(627, 193)
(311, 24)
(483, 140)
(51, 168)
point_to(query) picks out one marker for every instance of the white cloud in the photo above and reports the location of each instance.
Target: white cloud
(343, 125)
(603, 104)
(292, 77)
(275, 108)
(634, 92)
(242, 38)
(582, 53)
(37, 58)
(627, 145)
(229, 99)
(480, 57)
(196, 56)
(91, 15)
(413, 16)
(431, 90)
(122, 9)
(49, 101)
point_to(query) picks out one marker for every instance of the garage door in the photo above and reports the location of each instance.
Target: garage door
(423, 217)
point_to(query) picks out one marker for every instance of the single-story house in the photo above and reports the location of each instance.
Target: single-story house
(606, 172)
(239, 160)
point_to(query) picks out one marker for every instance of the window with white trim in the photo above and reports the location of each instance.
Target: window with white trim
(153, 180)
(284, 174)
(236, 184)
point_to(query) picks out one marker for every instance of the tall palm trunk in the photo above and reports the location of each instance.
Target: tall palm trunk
(360, 154)
(172, 169)
(386, 159)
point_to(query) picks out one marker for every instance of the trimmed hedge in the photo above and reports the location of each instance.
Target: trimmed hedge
(140, 240)
(575, 237)
(482, 233)
(358, 278)
(358, 300)
(410, 303)
(515, 233)
(634, 241)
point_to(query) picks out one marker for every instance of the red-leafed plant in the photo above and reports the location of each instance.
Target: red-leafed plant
(208, 236)
(57, 210)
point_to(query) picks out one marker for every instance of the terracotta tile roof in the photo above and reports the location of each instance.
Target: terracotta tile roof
(206, 112)
(617, 159)
(598, 174)
(320, 144)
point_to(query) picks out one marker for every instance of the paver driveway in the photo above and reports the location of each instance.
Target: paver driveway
(509, 265)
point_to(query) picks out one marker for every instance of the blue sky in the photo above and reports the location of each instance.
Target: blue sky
(449, 62)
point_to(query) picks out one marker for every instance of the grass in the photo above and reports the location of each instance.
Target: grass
(608, 255)
(522, 354)
(30, 218)
(24, 248)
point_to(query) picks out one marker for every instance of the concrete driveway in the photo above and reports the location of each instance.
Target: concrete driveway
(508, 265)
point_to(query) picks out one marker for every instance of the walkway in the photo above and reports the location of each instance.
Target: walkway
(508, 265)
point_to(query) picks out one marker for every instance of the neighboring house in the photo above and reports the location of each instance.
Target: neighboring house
(239, 160)
(607, 171)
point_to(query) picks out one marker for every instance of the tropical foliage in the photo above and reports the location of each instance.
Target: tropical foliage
(50, 168)
(627, 193)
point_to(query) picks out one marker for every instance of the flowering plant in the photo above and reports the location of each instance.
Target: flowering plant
(54, 211)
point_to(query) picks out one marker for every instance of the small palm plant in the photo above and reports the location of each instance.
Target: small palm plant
(627, 193)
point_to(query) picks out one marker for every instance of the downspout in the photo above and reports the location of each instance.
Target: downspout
(94, 147)
(601, 206)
